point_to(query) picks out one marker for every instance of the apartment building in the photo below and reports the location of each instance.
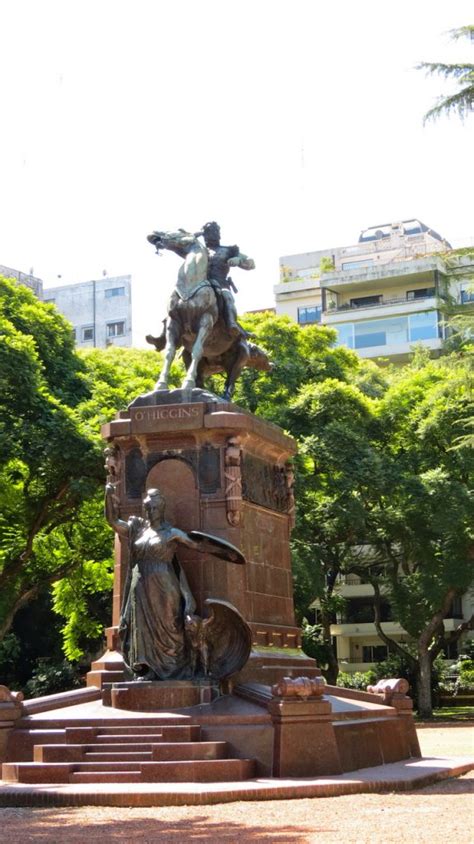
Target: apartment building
(358, 647)
(28, 279)
(381, 295)
(100, 310)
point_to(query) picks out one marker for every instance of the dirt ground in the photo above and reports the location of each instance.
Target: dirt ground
(439, 813)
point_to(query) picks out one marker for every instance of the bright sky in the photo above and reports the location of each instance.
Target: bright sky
(294, 124)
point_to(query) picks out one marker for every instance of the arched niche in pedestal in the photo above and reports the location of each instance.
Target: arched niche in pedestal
(176, 480)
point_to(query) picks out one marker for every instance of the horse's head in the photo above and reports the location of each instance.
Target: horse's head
(179, 241)
(156, 238)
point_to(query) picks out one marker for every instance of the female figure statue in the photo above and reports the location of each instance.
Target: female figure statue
(157, 596)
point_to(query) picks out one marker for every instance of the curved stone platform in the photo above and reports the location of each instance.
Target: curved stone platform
(399, 776)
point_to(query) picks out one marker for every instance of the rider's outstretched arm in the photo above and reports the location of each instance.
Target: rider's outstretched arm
(242, 261)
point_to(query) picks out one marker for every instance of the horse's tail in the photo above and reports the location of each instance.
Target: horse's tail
(158, 342)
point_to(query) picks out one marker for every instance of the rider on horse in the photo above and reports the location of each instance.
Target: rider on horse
(221, 258)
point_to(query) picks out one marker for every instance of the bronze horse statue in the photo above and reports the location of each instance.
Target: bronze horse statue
(195, 324)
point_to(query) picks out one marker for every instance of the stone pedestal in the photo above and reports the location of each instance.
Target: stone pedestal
(304, 743)
(226, 472)
(165, 695)
(10, 712)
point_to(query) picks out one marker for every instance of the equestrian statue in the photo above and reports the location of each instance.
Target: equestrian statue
(202, 318)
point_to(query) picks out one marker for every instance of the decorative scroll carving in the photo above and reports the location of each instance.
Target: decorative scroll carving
(233, 481)
(7, 696)
(299, 687)
(390, 688)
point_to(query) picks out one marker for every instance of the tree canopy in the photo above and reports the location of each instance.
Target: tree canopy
(461, 102)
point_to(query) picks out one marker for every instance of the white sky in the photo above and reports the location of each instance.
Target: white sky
(294, 124)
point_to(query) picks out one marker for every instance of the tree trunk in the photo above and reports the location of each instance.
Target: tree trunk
(425, 708)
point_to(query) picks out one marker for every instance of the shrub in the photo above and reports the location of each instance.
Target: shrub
(49, 678)
(359, 680)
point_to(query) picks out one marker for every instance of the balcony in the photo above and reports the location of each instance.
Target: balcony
(401, 302)
(396, 272)
(360, 629)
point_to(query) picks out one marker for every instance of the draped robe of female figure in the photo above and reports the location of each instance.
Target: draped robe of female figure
(157, 597)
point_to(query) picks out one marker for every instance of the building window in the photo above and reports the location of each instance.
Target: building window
(363, 301)
(389, 332)
(114, 291)
(49, 301)
(87, 334)
(374, 653)
(422, 293)
(424, 326)
(73, 334)
(309, 315)
(467, 294)
(355, 265)
(346, 335)
(116, 329)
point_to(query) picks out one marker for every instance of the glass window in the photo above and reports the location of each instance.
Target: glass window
(361, 301)
(345, 335)
(116, 329)
(309, 315)
(422, 293)
(424, 326)
(374, 653)
(87, 334)
(467, 294)
(114, 291)
(381, 332)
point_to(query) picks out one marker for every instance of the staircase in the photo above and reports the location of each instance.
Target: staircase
(120, 752)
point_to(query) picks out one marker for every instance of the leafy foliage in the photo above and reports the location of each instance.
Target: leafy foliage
(462, 101)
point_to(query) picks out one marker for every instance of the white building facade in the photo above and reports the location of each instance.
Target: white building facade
(382, 294)
(28, 279)
(100, 310)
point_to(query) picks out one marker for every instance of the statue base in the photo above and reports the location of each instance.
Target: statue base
(225, 472)
(155, 696)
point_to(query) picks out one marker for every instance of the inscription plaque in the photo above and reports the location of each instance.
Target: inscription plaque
(171, 417)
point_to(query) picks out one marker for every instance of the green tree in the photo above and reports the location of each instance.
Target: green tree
(382, 493)
(114, 377)
(428, 546)
(48, 463)
(462, 101)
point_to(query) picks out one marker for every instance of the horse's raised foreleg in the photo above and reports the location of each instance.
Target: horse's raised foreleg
(205, 328)
(172, 339)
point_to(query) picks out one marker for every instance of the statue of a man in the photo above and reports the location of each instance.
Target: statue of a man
(221, 258)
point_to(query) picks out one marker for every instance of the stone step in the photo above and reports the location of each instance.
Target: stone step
(216, 770)
(101, 767)
(188, 733)
(103, 722)
(159, 752)
(113, 734)
(125, 729)
(144, 756)
(189, 751)
(37, 772)
(105, 776)
(83, 753)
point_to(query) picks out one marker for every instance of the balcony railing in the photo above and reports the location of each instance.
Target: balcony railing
(398, 300)
(349, 579)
